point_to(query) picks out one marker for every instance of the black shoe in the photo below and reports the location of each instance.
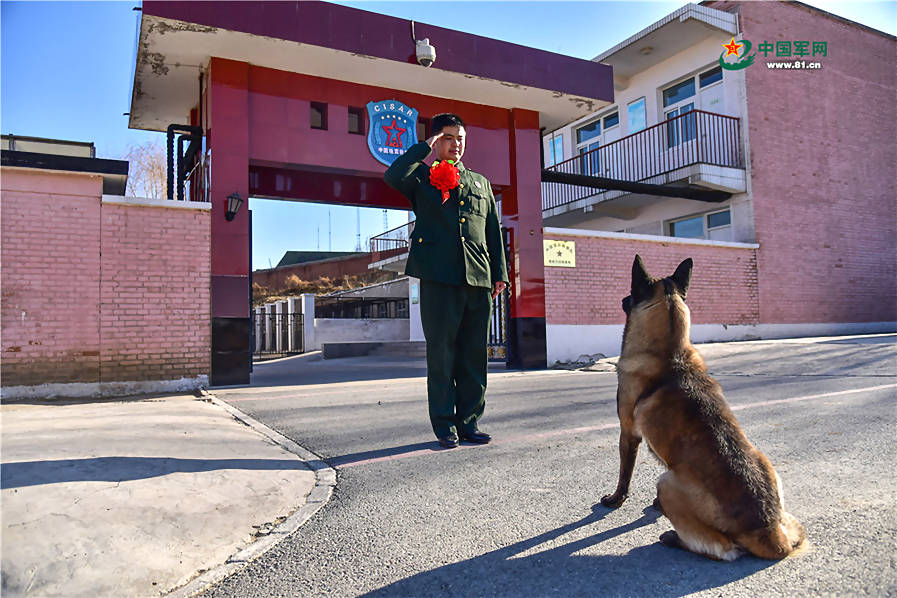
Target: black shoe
(476, 437)
(449, 442)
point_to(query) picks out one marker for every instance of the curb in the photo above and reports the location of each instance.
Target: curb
(325, 482)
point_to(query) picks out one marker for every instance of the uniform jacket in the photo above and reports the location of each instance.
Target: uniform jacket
(456, 242)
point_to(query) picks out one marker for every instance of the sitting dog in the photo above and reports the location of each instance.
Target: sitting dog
(720, 493)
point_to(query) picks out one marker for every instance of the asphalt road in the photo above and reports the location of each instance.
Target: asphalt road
(520, 517)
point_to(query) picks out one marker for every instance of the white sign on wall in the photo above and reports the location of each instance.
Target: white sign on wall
(560, 254)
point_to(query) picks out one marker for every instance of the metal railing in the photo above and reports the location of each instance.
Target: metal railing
(391, 242)
(361, 308)
(690, 138)
(278, 333)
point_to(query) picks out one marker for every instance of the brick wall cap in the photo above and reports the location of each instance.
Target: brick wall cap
(576, 232)
(147, 202)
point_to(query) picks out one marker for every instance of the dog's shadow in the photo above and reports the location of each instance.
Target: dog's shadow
(650, 570)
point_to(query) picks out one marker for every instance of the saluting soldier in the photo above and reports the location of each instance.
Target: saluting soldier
(457, 252)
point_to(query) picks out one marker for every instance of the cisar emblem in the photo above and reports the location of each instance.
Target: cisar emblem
(392, 130)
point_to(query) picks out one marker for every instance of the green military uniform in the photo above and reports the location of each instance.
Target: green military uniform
(458, 253)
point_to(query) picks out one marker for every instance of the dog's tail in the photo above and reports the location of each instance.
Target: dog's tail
(776, 541)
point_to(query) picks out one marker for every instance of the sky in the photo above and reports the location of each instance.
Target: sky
(66, 71)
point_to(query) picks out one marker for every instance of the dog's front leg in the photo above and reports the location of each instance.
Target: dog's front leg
(628, 451)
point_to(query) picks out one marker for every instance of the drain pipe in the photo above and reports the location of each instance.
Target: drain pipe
(194, 135)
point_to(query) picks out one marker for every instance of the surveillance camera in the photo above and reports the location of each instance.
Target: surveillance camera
(426, 54)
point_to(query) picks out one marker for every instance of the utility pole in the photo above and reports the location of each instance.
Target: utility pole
(357, 229)
(329, 232)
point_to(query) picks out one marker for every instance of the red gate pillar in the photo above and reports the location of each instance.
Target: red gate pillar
(521, 207)
(228, 142)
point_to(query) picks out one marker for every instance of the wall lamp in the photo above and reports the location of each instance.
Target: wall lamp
(234, 201)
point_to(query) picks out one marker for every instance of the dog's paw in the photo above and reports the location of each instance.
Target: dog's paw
(613, 500)
(671, 539)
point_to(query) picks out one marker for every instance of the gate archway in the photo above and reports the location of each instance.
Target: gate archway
(250, 74)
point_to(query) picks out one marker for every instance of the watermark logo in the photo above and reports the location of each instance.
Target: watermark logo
(794, 49)
(741, 52)
(737, 55)
(393, 129)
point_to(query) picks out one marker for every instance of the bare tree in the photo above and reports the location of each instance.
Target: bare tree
(147, 174)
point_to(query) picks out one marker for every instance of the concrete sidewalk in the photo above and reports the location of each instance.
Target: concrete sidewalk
(142, 497)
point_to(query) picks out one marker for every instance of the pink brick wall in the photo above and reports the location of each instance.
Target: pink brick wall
(824, 172)
(154, 302)
(723, 286)
(50, 263)
(99, 292)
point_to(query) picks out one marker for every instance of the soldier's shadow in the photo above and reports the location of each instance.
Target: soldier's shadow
(650, 570)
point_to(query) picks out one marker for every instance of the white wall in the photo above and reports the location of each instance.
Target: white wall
(416, 327)
(333, 330)
(566, 342)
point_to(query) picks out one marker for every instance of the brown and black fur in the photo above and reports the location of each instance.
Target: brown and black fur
(721, 494)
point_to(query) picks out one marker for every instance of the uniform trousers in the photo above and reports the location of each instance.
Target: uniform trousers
(455, 320)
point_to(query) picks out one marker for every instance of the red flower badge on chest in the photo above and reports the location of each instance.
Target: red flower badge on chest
(445, 177)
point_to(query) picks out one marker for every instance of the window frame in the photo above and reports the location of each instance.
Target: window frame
(360, 112)
(604, 126)
(705, 223)
(588, 166)
(663, 101)
(712, 83)
(321, 107)
(629, 106)
(555, 143)
(577, 128)
(423, 124)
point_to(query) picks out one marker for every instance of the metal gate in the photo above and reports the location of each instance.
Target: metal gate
(497, 346)
(277, 334)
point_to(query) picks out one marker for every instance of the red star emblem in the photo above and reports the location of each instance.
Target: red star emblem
(732, 48)
(395, 134)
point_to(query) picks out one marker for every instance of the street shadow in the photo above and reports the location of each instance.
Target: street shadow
(120, 469)
(886, 339)
(312, 369)
(353, 458)
(652, 570)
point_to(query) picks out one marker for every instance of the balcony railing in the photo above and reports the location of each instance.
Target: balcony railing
(690, 138)
(391, 242)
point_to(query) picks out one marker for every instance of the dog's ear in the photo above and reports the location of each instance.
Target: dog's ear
(641, 280)
(682, 276)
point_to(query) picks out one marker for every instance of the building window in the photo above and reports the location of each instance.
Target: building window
(586, 141)
(690, 228)
(423, 125)
(716, 226)
(637, 116)
(682, 129)
(318, 115)
(719, 226)
(611, 120)
(710, 77)
(356, 120)
(679, 92)
(676, 97)
(588, 132)
(556, 149)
